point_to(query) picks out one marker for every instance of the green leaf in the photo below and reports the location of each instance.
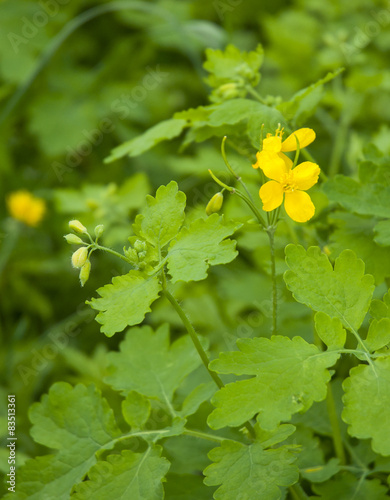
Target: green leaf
(382, 233)
(366, 401)
(65, 411)
(199, 246)
(378, 335)
(303, 104)
(347, 487)
(357, 234)
(342, 292)
(364, 199)
(163, 216)
(311, 459)
(78, 422)
(125, 302)
(248, 472)
(330, 331)
(148, 364)
(380, 309)
(165, 130)
(199, 395)
(232, 65)
(138, 476)
(136, 410)
(290, 375)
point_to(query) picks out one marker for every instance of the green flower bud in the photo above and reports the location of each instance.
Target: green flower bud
(72, 239)
(79, 257)
(84, 272)
(228, 90)
(215, 204)
(141, 255)
(99, 230)
(77, 227)
(140, 246)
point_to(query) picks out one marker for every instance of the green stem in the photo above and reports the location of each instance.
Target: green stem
(198, 346)
(242, 196)
(335, 424)
(204, 435)
(271, 237)
(251, 206)
(109, 250)
(194, 337)
(297, 493)
(255, 94)
(231, 170)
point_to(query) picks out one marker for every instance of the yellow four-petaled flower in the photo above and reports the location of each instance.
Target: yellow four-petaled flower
(25, 207)
(287, 182)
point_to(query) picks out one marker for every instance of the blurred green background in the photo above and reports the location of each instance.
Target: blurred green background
(131, 65)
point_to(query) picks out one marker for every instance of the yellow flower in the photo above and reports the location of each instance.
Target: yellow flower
(274, 147)
(292, 183)
(26, 208)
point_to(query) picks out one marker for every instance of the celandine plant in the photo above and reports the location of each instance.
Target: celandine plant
(282, 416)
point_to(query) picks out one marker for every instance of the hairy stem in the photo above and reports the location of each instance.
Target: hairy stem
(198, 346)
(109, 250)
(194, 337)
(204, 435)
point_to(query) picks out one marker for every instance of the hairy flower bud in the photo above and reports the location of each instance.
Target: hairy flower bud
(72, 239)
(140, 246)
(77, 227)
(228, 91)
(99, 230)
(84, 272)
(79, 257)
(215, 204)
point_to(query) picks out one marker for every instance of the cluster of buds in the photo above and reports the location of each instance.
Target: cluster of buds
(136, 255)
(80, 258)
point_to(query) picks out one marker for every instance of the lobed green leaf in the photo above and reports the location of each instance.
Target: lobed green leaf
(125, 302)
(342, 292)
(290, 375)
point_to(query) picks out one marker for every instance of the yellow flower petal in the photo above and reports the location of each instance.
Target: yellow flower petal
(272, 165)
(287, 160)
(306, 175)
(299, 206)
(272, 144)
(305, 137)
(271, 194)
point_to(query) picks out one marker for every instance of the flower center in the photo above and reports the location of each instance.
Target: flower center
(288, 183)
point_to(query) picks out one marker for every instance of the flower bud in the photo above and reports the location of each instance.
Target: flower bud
(77, 227)
(72, 239)
(140, 246)
(79, 257)
(99, 230)
(141, 255)
(84, 272)
(228, 90)
(215, 204)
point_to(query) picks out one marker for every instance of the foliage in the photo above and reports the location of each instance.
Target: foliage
(241, 355)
